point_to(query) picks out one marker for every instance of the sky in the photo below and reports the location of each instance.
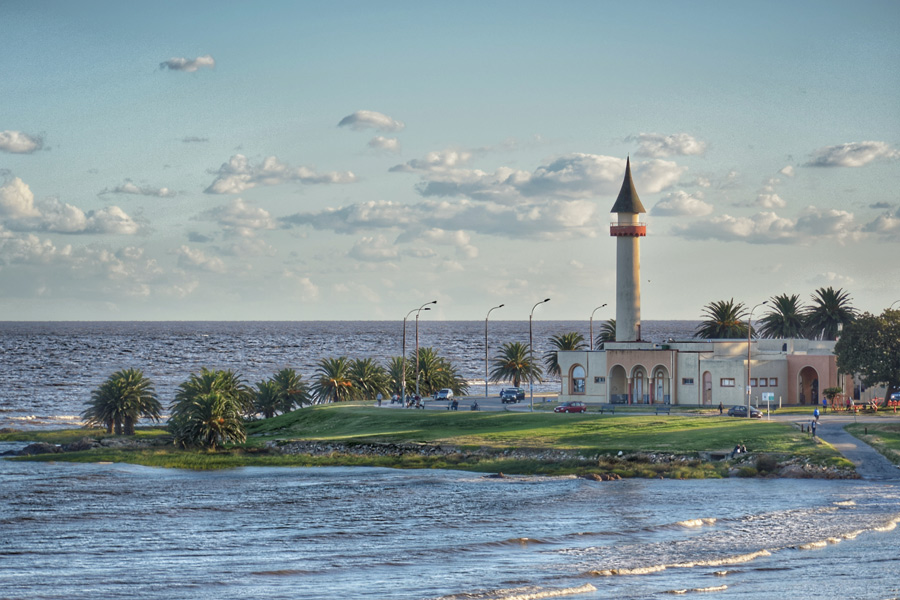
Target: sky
(354, 160)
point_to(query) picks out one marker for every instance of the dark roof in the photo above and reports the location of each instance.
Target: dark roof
(628, 201)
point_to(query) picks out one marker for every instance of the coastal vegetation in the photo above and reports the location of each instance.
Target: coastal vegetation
(511, 442)
(870, 347)
(607, 333)
(787, 317)
(121, 401)
(515, 363)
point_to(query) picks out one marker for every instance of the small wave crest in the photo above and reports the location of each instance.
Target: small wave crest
(522, 593)
(845, 503)
(696, 522)
(734, 559)
(714, 588)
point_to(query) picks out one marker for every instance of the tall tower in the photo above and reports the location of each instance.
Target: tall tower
(628, 230)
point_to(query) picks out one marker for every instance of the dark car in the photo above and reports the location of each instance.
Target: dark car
(741, 411)
(511, 395)
(571, 407)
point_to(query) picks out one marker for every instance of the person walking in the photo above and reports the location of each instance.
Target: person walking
(812, 428)
(816, 414)
(720, 408)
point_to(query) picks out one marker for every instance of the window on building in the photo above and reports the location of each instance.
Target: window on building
(726, 382)
(763, 382)
(577, 379)
(687, 381)
(753, 382)
(599, 379)
(773, 382)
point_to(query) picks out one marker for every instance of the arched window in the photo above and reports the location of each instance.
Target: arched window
(577, 379)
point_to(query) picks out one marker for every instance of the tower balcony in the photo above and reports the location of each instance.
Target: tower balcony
(628, 229)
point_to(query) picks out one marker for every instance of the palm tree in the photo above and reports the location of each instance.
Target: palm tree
(332, 382)
(607, 333)
(395, 374)
(292, 390)
(210, 421)
(369, 378)
(785, 319)
(268, 398)
(723, 321)
(562, 342)
(514, 363)
(436, 373)
(228, 383)
(120, 402)
(830, 308)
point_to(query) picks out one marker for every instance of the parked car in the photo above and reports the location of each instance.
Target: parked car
(741, 411)
(444, 394)
(571, 407)
(511, 395)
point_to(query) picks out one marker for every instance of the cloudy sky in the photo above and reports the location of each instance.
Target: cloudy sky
(353, 160)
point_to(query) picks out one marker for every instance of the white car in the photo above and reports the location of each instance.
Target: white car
(444, 394)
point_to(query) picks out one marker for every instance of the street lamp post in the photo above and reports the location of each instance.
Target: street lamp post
(420, 309)
(592, 324)
(531, 348)
(749, 331)
(403, 363)
(486, 349)
(892, 304)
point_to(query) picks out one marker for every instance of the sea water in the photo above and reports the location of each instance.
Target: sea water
(87, 531)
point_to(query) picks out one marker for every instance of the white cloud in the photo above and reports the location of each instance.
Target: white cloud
(17, 200)
(827, 222)
(188, 64)
(830, 278)
(573, 175)
(238, 216)
(761, 228)
(305, 288)
(768, 228)
(854, 154)
(435, 162)
(386, 144)
(887, 225)
(129, 187)
(238, 174)
(788, 171)
(17, 142)
(657, 145)
(552, 220)
(369, 119)
(192, 258)
(682, 204)
(20, 212)
(459, 239)
(373, 249)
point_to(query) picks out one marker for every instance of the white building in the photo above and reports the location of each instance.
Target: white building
(695, 372)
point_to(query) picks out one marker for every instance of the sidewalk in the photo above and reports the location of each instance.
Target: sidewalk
(869, 463)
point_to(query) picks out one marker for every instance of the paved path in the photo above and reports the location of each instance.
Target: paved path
(869, 463)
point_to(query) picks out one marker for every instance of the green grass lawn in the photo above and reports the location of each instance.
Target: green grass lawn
(585, 435)
(588, 432)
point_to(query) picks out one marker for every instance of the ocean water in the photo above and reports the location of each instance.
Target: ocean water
(87, 531)
(48, 369)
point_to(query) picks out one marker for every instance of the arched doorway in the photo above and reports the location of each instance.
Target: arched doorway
(707, 388)
(661, 394)
(640, 386)
(808, 390)
(618, 385)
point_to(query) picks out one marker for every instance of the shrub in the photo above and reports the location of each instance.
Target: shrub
(747, 472)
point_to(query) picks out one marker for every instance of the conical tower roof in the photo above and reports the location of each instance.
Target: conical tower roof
(628, 201)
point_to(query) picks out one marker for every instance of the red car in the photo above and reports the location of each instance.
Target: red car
(571, 407)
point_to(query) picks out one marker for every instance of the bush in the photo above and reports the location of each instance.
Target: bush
(747, 472)
(766, 464)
